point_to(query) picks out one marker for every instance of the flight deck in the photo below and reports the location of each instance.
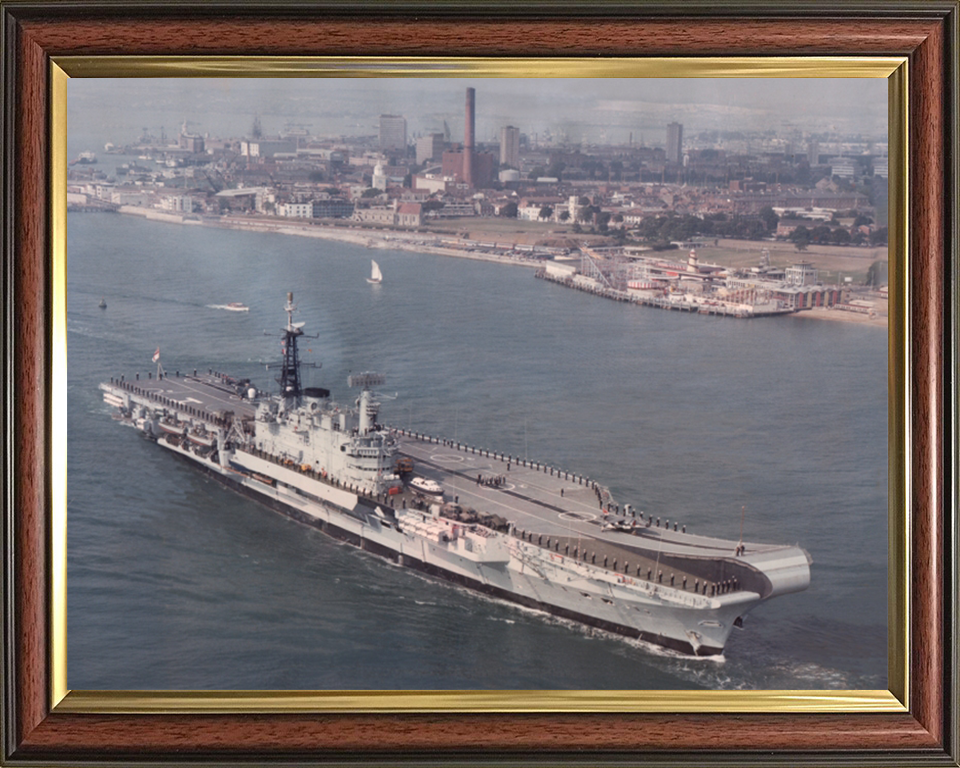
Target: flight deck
(554, 508)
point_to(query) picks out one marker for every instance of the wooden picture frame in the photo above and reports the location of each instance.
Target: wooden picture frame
(37, 733)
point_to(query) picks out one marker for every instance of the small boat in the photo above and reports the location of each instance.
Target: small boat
(236, 306)
(174, 428)
(102, 304)
(204, 439)
(376, 276)
(426, 487)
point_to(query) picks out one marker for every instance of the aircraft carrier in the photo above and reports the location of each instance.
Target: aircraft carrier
(538, 535)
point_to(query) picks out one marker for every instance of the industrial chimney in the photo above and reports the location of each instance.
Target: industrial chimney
(468, 138)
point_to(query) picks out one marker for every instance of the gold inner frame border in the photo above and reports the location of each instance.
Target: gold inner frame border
(895, 699)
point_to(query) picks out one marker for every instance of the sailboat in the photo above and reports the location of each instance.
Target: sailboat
(376, 276)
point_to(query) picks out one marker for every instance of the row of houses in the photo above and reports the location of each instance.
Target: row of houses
(397, 214)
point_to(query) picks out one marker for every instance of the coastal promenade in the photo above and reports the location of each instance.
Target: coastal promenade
(426, 242)
(374, 239)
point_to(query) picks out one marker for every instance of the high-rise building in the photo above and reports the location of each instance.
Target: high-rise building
(429, 147)
(393, 132)
(510, 146)
(813, 153)
(674, 142)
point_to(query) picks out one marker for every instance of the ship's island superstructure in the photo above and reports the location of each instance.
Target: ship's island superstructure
(502, 525)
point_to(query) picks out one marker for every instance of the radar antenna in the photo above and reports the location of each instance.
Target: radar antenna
(368, 406)
(289, 378)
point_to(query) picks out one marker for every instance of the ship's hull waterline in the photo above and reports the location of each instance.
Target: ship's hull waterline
(338, 524)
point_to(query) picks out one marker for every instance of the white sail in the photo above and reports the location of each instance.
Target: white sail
(376, 276)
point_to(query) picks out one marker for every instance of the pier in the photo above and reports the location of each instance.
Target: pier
(708, 307)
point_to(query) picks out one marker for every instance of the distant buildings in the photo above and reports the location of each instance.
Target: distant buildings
(803, 273)
(432, 183)
(191, 142)
(178, 203)
(510, 146)
(394, 215)
(296, 210)
(530, 209)
(429, 147)
(843, 167)
(475, 169)
(393, 132)
(267, 147)
(332, 208)
(301, 177)
(409, 215)
(379, 180)
(674, 143)
(483, 165)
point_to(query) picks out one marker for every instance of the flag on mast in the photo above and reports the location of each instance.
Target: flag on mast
(156, 355)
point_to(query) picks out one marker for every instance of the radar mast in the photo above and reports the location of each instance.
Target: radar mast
(289, 378)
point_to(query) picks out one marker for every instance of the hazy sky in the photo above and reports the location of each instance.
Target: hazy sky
(607, 108)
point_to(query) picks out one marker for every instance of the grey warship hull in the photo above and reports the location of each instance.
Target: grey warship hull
(518, 530)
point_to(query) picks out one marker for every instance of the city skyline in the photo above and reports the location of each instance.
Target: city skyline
(598, 111)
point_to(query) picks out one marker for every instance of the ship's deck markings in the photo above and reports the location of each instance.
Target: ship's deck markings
(537, 499)
(565, 539)
(446, 457)
(204, 390)
(481, 494)
(212, 395)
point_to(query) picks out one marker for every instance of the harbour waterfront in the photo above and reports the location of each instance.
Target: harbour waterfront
(175, 582)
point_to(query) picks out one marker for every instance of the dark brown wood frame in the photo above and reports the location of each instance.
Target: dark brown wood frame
(926, 32)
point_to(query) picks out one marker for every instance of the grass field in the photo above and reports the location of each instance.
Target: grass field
(496, 229)
(832, 261)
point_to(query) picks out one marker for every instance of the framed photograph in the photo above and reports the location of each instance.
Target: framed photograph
(205, 221)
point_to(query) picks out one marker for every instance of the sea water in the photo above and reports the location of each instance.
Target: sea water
(175, 582)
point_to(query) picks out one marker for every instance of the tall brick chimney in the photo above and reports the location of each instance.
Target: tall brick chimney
(468, 138)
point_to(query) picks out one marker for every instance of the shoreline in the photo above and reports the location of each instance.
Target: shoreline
(374, 240)
(384, 239)
(842, 316)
